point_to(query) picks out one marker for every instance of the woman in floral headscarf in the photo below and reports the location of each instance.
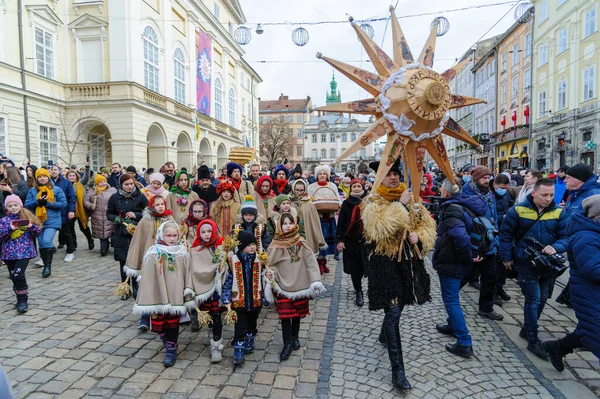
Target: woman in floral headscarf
(198, 212)
(225, 209)
(181, 196)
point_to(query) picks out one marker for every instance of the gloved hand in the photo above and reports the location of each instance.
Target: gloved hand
(42, 202)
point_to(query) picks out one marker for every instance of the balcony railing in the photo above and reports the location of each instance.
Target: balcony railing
(89, 91)
(155, 99)
(184, 111)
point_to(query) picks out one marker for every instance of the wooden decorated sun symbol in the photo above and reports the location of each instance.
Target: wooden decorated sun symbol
(410, 102)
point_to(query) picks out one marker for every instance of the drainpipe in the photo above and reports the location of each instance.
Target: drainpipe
(531, 99)
(22, 59)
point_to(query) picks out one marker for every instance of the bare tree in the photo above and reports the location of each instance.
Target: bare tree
(276, 142)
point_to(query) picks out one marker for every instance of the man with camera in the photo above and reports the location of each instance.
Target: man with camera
(532, 236)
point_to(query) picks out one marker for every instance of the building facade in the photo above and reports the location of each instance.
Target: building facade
(117, 80)
(510, 140)
(565, 111)
(294, 113)
(484, 115)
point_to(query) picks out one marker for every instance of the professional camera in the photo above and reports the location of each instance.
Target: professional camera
(544, 265)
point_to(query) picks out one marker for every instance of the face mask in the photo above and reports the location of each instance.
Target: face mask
(467, 178)
(371, 179)
(500, 191)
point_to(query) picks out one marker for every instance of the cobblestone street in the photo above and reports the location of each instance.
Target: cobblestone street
(79, 340)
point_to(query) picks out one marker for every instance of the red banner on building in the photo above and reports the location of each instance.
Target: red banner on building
(203, 72)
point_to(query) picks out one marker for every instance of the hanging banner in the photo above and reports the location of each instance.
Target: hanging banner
(203, 72)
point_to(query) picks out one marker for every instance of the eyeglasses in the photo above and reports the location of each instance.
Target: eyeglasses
(198, 212)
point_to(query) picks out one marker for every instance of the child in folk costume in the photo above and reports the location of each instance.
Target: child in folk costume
(225, 209)
(283, 204)
(18, 246)
(155, 187)
(250, 220)
(206, 256)
(326, 199)
(308, 217)
(198, 212)
(243, 290)
(166, 290)
(181, 196)
(294, 276)
(265, 197)
(350, 239)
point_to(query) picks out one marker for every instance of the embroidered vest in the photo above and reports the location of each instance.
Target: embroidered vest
(239, 291)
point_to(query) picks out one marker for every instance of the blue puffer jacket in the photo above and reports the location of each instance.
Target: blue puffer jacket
(584, 259)
(559, 189)
(551, 229)
(53, 209)
(452, 255)
(67, 188)
(589, 188)
(489, 202)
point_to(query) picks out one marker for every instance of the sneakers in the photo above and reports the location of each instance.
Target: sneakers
(538, 350)
(216, 347)
(497, 300)
(69, 257)
(39, 263)
(552, 348)
(445, 329)
(144, 323)
(238, 353)
(491, 315)
(459, 350)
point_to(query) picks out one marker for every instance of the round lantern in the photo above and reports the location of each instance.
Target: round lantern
(368, 29)
(242, 35)
(300, 36)
(443, 25)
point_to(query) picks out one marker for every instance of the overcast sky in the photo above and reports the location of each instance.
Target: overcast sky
(301, 74)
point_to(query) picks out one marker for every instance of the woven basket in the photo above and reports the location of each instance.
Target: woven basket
(327, 200)
(326, 206)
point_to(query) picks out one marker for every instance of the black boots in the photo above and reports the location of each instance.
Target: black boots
(46, 254)
(502, 294)
(565, 297)
(295, 333)
(360, 300)
(286, 330)
(459, 350)
(445, 329)
(22, 306)
(104, 244)
(391, 331)
(552, 348)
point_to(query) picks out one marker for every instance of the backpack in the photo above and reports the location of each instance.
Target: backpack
(482, 234)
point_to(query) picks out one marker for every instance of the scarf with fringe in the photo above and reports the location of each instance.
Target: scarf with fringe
(391, 194)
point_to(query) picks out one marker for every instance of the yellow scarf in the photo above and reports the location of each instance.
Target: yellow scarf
(345, 189)
(40, 211)
(98, 190)
(79, 209)
(391, 194)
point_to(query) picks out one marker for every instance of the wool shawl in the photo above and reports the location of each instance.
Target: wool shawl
(143, 238)
(310, 225)
(180, 205)
(206, 279)
(295, 270)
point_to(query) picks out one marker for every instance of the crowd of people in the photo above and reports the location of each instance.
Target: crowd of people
(205, 248)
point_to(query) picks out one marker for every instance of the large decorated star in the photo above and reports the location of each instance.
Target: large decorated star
(410, 101)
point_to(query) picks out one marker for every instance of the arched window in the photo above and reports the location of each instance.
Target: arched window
(323, 153)
(151, 68)
(218, 100)
(179, 75)
(231, 107)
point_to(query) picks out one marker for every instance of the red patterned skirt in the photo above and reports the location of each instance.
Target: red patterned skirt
(290, 309)
(161, 322)
(212, 306)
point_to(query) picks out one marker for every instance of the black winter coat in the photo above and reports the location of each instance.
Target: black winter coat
(354, 243)
(209, 195)
(119, 205)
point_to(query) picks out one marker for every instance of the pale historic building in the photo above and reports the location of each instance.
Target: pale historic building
(565, 111)
(118, 80)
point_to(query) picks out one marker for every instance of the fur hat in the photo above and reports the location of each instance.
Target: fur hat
(297, 169)
(226, 185)
(98, 178)
(280, 168)
(591, 206)
(324, 168)
(13, 198)
(203, 172)
(245, 238)
(580, 172)
(479, 172)
(280, 198)
(249, 206)
(156, 177)
(231, 166)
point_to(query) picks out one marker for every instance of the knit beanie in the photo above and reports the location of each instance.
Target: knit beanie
(13, 198)
(563, 168)
(280, 198)
(131, 169)
(98, 178)
(479, 172)
(245, 238)
(42, 172)
(591, 206)
(249, 206)
(580, 172)
(106, 171)
(356, 180)
(159, 177)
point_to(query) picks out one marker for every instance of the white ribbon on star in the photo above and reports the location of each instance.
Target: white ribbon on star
(402, 124)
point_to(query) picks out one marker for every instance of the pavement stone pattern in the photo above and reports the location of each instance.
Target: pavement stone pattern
(80, 340)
